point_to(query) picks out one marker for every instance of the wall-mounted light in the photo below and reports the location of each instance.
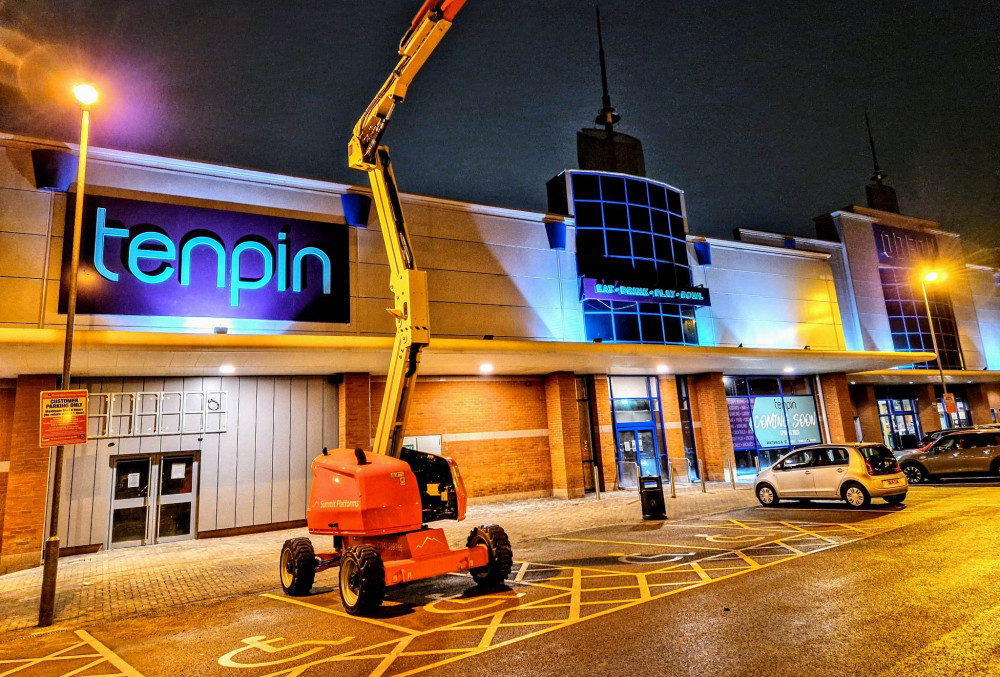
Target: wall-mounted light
(227, 369)
(486, 368)
(789, 370)
(662, 369)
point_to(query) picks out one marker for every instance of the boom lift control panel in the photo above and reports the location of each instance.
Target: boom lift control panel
(376, 505)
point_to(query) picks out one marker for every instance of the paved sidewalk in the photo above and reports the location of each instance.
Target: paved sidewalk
(119, 583)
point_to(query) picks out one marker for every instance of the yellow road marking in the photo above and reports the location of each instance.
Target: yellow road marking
(811, 533)
(654, 545)
(343, 614)
(747, 559)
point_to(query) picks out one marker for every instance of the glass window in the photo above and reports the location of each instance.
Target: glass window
(833, 456)
(763, 386)
(586, 187)
(629, 387)
(802, 459)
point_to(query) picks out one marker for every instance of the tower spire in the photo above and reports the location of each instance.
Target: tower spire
(880, 196)
(879, 174)
(607, 115)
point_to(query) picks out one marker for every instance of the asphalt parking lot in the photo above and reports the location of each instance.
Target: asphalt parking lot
(741, 592)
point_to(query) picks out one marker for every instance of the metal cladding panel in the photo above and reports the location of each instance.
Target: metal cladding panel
(379, 497)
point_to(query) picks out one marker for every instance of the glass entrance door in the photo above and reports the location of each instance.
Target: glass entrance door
(153, 499)
(899, 422)
(637, 453)
(175, 509)
(130, 502)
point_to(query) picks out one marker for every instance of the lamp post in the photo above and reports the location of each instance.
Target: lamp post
(934, 276)
(87, 96)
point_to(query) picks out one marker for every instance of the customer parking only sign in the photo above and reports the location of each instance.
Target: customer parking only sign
(63, 418)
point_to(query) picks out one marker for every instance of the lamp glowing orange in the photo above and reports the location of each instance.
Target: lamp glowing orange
(85, 94)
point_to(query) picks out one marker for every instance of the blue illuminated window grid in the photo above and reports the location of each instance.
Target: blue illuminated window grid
(907, 315)
(662, 222)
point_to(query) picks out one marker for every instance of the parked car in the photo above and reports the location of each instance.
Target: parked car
(852, 472)
(975, 452)
(933, 436)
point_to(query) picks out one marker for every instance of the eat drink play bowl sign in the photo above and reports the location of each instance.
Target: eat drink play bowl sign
(63, 418)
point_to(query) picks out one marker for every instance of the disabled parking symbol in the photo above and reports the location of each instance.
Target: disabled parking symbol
(658, 558)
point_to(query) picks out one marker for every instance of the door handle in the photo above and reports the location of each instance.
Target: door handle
(808, 472)
(840, 470)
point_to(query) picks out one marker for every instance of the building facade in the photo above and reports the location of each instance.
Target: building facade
(232, 324)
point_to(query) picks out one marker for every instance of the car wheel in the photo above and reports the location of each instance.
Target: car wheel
(897, 499)
(915, 474)
(767, 496)
(856, 495)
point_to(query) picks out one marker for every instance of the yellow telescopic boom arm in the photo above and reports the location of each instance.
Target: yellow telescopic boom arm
(408, 285)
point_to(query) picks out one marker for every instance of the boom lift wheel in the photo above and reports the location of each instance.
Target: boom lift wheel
(496, 571)
(298, 566)
(362, 579)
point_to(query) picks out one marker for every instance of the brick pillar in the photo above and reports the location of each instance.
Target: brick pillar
(606, 431)
(863, 398)
(8, 389)
(979, 405)
(714, 437)
(930, 420)
(565, 450)
(27, 481)
(839, 409)
(354, 400)
(671, 409)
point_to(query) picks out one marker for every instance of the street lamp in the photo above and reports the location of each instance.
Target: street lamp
(934, 276)
(87, 96)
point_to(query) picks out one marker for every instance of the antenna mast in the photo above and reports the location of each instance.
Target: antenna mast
(607, 115)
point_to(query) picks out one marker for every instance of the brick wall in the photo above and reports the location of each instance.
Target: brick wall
(839, 409)
(672, 425)
(602, 396)
(714, 437)
(27, 481)
(565, 452)
(496, 429)
(863, 399)
(355, 411)
(8, 388)
(926, 409)
(979, 404)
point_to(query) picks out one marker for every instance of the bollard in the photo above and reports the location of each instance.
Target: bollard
(597, 483)
(701, 474)
(673, 489)
(732, 473)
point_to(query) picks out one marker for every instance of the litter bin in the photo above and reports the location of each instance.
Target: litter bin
(651, 495)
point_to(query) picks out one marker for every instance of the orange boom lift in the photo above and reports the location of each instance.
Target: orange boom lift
(376, 505)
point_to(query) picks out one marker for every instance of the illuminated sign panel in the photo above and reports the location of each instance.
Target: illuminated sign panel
(901, 247)
(602, 290)
(155, 259)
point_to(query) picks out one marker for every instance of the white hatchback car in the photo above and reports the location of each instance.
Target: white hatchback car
(852, 472)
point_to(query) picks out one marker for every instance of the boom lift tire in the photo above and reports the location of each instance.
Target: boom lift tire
(297, 566)
(496, 571)
(362, 579)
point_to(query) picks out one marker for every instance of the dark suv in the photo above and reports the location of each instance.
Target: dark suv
(973, 452)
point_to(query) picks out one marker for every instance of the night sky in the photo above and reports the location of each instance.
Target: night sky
(755, 110)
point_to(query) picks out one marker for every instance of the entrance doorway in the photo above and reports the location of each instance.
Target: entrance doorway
(153, 499)
(637, 452)
(899, 422)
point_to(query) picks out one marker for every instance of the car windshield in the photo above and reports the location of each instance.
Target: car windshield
(880, 459)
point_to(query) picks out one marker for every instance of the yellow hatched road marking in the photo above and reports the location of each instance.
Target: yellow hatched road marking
(572, 599)
(653, 545)
(343, 614)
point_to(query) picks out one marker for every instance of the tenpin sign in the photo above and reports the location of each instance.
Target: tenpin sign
(63, 418)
